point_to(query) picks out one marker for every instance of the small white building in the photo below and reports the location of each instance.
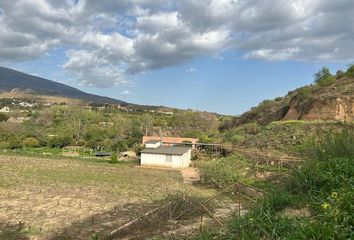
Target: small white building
(5, 109)
(157, 155)
(27, 104)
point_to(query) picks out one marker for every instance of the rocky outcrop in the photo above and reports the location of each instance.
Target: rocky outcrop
(323, 109)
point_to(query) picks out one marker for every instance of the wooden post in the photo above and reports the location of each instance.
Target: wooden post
(201, 219)
(239, 199)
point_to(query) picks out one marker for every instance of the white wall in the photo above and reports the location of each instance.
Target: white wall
(159, 160)
(153, 145)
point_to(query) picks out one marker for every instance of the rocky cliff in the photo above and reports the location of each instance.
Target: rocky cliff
(332, 102)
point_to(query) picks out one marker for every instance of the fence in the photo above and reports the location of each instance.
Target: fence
(241, 189)
(263, 158)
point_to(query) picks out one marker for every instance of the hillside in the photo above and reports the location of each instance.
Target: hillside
(331, 101)
(11, 80)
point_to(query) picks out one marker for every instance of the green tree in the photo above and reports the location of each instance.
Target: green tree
(350, 71)
(60, 141)
(340, 74)
(323, 77)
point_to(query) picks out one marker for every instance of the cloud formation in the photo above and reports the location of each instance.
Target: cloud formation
(108, 42)
(126, 92)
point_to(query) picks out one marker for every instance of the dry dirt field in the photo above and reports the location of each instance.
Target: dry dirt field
(73, 199)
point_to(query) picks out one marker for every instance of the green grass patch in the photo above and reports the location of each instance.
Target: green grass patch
(222, 172)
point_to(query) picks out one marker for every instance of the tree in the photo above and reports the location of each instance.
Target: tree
(339, 74)
(60, 141)
(323, 77)
(147, 122)
(350, 71)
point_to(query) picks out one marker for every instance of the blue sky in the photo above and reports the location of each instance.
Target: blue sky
(221, 56)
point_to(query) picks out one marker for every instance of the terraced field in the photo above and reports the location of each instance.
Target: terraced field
(47, 198)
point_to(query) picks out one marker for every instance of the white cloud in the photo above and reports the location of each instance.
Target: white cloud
(91, 70)
(111, 41)
(126, 92)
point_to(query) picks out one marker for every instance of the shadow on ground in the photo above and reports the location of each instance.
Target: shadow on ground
(13, 232)
(97, 227)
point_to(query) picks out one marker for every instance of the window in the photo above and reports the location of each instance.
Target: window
(169, 158)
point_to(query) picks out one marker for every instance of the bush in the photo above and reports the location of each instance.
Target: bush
(15, 143)
(60, 141)
(350, 71)
(31, 142)
(223, 172)
(237, 139)
(323, 77)
(340, 74)
(303, 93)
(3, 117)
(4, 145)
(114, 158)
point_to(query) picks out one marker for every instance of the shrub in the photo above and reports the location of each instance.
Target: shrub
(340, 74)
(350, 71)
(114, 158)
(323, 77)
(31, 142)
(249, 128)
(120, 145)
(60, 141)
(223, 172)
(303, 93)
(15, 143)
(237, 139)
(3, 117)
(4, 145)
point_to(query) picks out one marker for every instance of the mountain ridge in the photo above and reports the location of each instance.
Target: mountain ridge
(11, 80)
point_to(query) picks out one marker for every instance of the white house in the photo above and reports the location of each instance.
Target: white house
(27, 104)
(157, 155)
(5, 109)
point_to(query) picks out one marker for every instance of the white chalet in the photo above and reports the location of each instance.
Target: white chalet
(157, 155)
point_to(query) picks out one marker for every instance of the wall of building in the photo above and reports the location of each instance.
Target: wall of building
(159, 160)
(152, 145)
(169, 140)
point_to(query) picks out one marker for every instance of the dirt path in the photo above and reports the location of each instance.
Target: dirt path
(190, 175)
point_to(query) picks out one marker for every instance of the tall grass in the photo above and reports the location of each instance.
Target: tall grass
(323, 186)
(335, 144)
(223, 172)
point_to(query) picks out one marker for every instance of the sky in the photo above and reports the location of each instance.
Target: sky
(221, 56)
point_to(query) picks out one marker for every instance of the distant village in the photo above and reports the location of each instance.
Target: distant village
(18, 105)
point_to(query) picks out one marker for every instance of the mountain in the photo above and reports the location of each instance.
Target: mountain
(11, 79)
(330, 101)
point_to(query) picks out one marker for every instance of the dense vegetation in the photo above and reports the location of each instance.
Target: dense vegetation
(105, 129)
(222, 172)
(315, 203)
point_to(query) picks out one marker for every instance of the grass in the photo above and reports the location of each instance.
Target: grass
(291, 136)
(46, 152)
(315, 203)
(223, 172)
